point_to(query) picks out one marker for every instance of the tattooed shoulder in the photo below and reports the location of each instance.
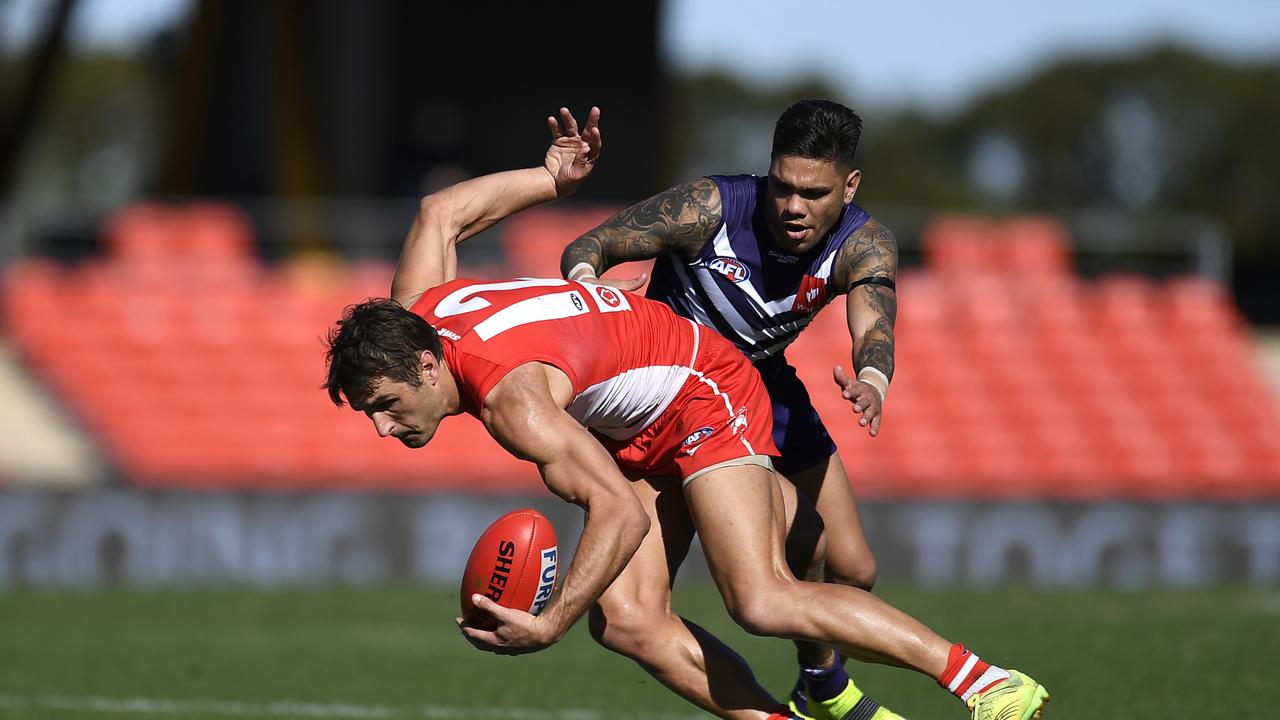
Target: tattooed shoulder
(680, 219)
(693, 212)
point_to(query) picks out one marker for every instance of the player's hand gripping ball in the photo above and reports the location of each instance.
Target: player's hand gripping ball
(514, 564)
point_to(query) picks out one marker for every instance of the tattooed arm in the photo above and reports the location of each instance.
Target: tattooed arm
(681, 220)
(872, 309)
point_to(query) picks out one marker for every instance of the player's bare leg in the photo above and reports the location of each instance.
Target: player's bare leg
(848, 559)
(634, 618)
(823, 688)
(739, 514)
(806, 552)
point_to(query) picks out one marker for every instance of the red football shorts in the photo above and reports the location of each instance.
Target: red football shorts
(721, 413)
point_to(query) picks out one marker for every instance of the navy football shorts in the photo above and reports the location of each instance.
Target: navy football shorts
(802, 439)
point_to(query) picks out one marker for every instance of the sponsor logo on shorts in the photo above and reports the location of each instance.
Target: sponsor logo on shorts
(729, 267)
(739, 422)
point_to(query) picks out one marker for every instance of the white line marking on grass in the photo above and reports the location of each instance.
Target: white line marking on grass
(296, 709)
(166, 706)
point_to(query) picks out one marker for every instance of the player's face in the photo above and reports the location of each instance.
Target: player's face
(806, 197)
(407, 413)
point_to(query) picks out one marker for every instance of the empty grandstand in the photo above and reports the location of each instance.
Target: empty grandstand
(192, 364)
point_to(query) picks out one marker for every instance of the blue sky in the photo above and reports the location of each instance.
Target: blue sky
(935, 54)
(95, 22)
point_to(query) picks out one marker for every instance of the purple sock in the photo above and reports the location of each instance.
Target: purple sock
(825, 683)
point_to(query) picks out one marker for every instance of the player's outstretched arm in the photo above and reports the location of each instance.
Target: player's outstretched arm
(527, 417)
(450, 216)
(866, 269)
(681, 219)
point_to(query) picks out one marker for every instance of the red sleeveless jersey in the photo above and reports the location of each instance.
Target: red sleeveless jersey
(641, 375)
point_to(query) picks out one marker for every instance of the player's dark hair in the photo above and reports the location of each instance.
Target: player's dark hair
(818, 130)
(376, 339)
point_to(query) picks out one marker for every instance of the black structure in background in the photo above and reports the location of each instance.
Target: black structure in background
(395, 97)
(17, 121)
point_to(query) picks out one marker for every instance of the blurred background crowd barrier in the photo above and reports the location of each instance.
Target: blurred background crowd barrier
(1086, 374)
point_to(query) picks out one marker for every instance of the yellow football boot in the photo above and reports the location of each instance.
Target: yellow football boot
(1017, 698)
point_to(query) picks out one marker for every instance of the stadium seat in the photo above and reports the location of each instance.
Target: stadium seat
(1195, 303)
(534, 240)
(1035, 247)
(958, 244)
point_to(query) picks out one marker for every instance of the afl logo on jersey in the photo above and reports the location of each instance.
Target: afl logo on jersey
(729, 267)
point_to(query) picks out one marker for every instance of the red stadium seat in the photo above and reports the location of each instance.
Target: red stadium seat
(1017, 247)
(1198, 303)
(533, 241)
(140, 232)
(1035, 246)
(958, 244)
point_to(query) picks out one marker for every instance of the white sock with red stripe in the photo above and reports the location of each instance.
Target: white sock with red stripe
(966, 674)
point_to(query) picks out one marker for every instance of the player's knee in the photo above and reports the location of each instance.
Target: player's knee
(621, 627)
(763, 612)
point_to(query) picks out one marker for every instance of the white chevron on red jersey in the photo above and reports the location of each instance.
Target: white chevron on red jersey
(627, 357)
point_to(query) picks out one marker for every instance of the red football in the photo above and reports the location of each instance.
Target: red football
(514, 563)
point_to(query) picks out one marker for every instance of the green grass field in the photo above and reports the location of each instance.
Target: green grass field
(395, 653)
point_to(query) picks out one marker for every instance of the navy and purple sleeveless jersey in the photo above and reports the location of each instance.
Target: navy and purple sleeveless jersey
(751, 291)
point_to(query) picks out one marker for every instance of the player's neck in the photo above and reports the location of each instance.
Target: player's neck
(449, 393)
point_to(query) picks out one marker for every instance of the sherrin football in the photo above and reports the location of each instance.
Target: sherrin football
(513, 563)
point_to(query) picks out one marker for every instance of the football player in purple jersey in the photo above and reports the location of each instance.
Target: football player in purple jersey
(755, 258)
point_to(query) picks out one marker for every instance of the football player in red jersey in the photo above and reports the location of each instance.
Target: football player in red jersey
(594, 385)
